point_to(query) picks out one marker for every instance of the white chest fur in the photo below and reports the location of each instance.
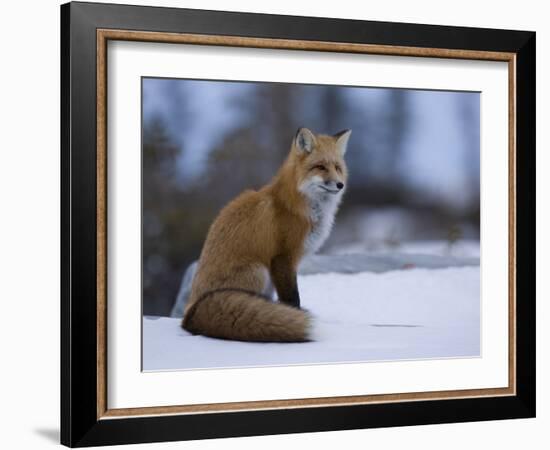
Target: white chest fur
(322, 211)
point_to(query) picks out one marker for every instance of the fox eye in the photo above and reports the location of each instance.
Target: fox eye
(320, 167)
(338, 168)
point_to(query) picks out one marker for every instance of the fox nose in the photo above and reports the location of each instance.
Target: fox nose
(339, 185)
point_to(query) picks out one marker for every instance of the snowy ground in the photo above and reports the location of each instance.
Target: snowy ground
(463, 248)
(360, 256)
(402, 314)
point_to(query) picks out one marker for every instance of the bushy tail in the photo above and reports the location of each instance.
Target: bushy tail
(246, 316)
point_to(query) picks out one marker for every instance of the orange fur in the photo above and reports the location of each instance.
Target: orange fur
(257, 237)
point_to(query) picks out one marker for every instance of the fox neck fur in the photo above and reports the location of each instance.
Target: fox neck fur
(316, 210)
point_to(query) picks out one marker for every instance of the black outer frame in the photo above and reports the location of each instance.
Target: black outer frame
(79, 423)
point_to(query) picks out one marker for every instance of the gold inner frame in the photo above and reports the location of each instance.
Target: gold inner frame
(104, 35)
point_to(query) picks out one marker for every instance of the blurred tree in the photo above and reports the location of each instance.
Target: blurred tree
(250, 156)
(335, 109)
(174, 220)
(377, 147)
(240, 163)
(393, 123)
(276, 118)
(469, 114)
(159, 183)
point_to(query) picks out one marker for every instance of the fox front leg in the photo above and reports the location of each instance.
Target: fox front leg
(283, 275)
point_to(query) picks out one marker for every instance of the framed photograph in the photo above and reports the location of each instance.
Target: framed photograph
(276, 224)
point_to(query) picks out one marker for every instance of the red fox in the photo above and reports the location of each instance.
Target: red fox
(260, 237)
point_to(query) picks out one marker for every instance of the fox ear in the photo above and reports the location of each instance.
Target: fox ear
(304, 140)
(342, 139)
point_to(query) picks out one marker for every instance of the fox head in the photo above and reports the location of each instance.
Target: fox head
(321, 171)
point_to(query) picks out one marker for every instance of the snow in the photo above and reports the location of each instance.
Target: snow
(396, 315)
(464, 248)
(353, 259)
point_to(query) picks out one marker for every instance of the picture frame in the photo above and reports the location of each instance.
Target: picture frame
(86, 418)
